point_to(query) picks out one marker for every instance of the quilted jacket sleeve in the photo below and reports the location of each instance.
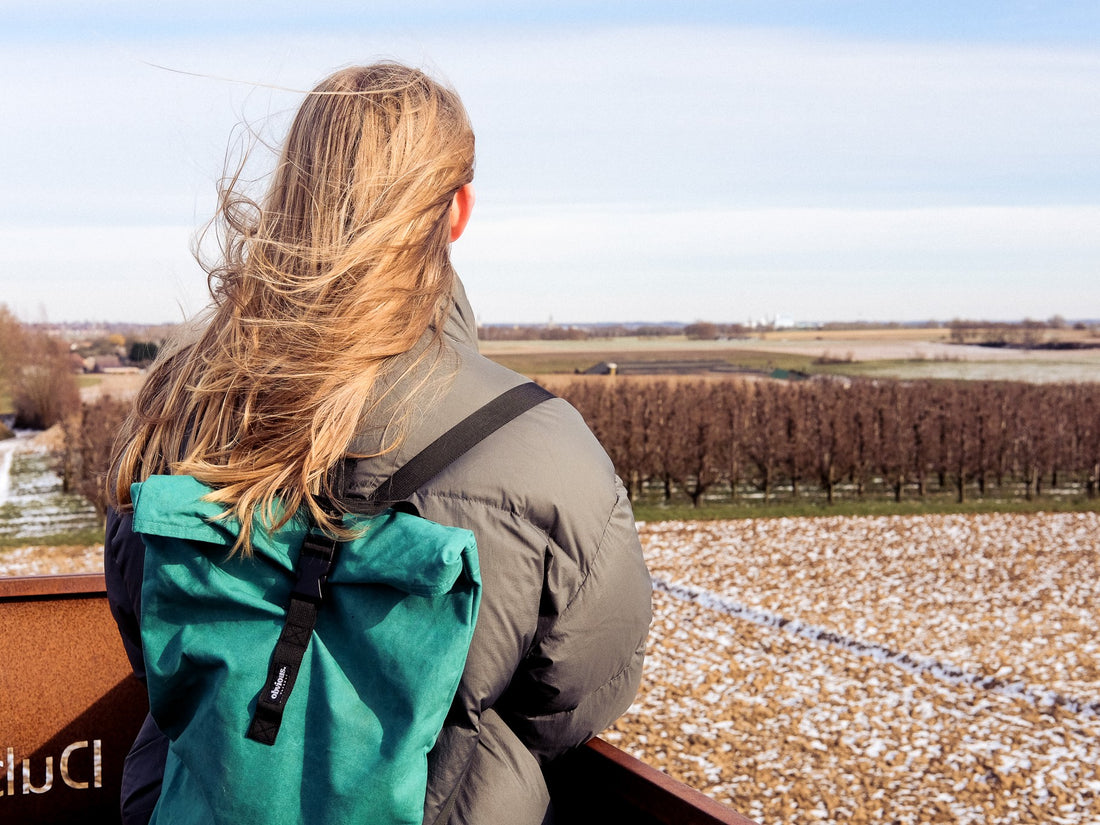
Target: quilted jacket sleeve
(585, 667)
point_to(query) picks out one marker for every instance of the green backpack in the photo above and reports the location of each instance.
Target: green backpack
(362, 644)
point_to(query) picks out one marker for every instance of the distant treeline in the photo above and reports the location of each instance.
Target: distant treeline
(701, 330)
(904, 438)
(1026, 333)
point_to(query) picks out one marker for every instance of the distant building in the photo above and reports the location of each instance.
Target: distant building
(106, 363)
(775, 322)
(782, 322)
(686, 367)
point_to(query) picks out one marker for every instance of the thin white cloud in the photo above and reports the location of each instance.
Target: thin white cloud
(747, 163)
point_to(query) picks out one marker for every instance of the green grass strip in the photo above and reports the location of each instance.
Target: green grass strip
(650, 511)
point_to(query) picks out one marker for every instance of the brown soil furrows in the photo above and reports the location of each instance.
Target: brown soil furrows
(784, 708)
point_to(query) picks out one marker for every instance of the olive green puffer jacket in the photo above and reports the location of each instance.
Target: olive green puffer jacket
(557, 651)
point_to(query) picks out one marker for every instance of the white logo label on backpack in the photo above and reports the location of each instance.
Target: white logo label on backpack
(280, 683)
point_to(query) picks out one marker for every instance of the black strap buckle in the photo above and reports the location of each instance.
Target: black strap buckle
(314, 564)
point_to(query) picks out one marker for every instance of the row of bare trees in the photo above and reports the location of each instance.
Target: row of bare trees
(90, 434)
(981, 438)
(724, 437)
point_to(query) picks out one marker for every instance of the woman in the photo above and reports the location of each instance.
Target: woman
(340, 338)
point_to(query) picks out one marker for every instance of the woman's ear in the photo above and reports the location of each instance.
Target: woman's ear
(461, 207)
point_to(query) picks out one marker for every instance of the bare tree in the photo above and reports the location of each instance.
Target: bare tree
(658, 419)
(765, 435)
(90, 434)
(894, 427)
(797, 431)
(43, 388)
(731, 409)
(1090, 443)
(963, 416)
(693, 460)
(865, 436)
(1028, 438)
(11, 349)
(829, 439)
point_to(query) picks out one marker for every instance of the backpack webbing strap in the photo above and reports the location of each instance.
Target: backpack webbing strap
(430, 461)
(314, 563)
(319, 550)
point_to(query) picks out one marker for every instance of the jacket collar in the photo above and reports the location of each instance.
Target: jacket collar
(461, 326)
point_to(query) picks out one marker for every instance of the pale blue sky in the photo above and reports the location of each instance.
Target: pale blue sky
(636, 161)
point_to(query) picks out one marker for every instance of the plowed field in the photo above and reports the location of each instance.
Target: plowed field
(867, 670)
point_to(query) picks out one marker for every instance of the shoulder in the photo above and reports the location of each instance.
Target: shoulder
(547, 444)
(545, 456)
(545, 466)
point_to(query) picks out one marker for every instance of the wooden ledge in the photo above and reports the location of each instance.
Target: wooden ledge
(70, 586)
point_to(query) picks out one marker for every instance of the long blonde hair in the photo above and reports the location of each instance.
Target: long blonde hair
(340, 267)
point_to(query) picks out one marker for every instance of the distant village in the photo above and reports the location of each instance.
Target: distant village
(109, 348)
(698, 330)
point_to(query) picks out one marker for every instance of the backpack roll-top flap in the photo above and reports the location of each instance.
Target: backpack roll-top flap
(173, 507)
(409, 553)
(397, 548)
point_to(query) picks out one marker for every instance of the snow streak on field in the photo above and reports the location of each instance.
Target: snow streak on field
(33, 507)
(905, 669)
(32, 503)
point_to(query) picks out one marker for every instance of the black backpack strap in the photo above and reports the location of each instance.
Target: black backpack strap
(314, 563)
(319, 550)
(462, 437)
